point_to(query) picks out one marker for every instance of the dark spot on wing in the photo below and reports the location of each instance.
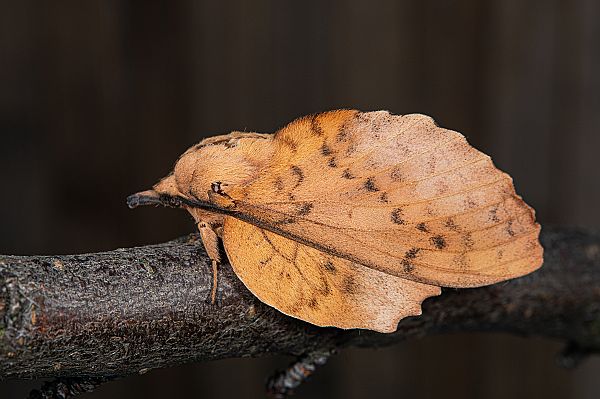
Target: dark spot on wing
(468, 241)
(500, 254)
(312, 303)
(315, 126)
(297, 171)
(349, 285)
(407, 266)
(422, 227)
(396, 216)
(384, 198)
(325, 150)
(342, 135)
(471, 203)
(279, 186)
(304, 209)
(331, 163)
(396, 174)
(288, 141)
(494, 215)
(451, 224)
(369, 185)
(438, 241)
(410, 255)
(347, 174)
(509, 228)
(330, 267)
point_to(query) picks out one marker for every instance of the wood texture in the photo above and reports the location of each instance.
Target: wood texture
(130, 310)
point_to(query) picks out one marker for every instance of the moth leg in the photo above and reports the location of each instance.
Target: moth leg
(211, 244)
(213, 291)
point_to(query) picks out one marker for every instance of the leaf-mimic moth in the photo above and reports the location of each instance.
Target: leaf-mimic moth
(351, 219)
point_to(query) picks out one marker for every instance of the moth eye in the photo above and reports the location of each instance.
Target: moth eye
(216, 187)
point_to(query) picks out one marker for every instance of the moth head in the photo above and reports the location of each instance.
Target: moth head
(163, 193)
(201, 175)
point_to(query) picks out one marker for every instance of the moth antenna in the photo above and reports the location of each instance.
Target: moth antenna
(148, 197)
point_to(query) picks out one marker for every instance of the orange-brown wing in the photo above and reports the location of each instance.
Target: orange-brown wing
(316, 287)
(395, 193)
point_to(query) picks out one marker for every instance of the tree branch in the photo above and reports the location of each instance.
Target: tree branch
(130, 310)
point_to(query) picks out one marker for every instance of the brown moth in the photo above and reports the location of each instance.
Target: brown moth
(352, 219)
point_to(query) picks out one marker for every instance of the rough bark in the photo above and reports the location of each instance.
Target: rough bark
(130, 310)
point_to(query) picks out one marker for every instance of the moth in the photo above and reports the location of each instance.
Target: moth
(351, 219)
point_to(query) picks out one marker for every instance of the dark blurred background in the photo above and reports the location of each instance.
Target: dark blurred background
(98, 98)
